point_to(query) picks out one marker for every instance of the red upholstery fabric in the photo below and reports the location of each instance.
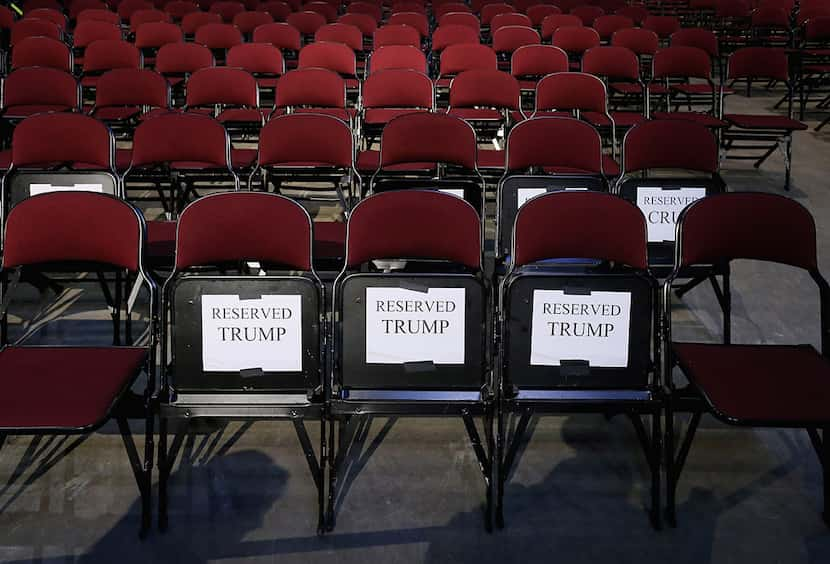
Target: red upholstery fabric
(759, 62)
(61, 138)
(663, 26)
(587, 13)
(508, 19)
(414, 224)
(615, 63)
(606, 25)
(670, 144)
(322, 7)
(45, 87)
(759, 383)
(329, 240)
(396, 34)
(682, 62)
(31, 27)
(368, 9)
(491, 158)
(161, 241)
(396, 88)
(398, 57)
(307, 23)
(476, 114)
(748, 225)
(637, 13)
(252, 116)
(764, 121)
(487, 88)
(178, 9)
(244, 226)
(221, 85)
(699, 118)
(554, 142)
(104, 54)
(641, 41)
(507, 39)
(218, 35)
(493, 9)
(454, 34)
(462, 57)
(278, 10)
(312, 138)
(178, 58)
(414, 20)
(41, 52)
(129, 87)
(368, 162)
(555, 21)
(580, 224)
(227, 9)
(575, 40)
(537, 61)
(539, 12)
(153, 35)
(180, 137)
(341, 33)
(247, 22)
(91, 30)
(316, 87)
(427, 137)
(697, 37)
(72, 226)
(193, 21)
(63, 387)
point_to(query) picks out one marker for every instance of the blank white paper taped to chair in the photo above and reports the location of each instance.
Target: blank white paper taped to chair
(525, 194)
(405, 325)
(35, 189)
(592, 327)
(663, 207)
(262, 333)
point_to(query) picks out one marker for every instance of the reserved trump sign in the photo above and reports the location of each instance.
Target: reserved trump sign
(592, 327)
(263, 333)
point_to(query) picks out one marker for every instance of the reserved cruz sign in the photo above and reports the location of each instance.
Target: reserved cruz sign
(662, 207)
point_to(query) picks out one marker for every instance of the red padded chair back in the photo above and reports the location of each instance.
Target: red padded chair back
(663, 26)
(586, 224)
(178, 9)
(141, 17)
(153, 35)
(233, 226)
(40, 86)
(314, 87)
(398, 57)
(175, 58)
(280, 35)
(415, 20)
(42, 52)
(697, 37)
(132, 87)
(218, 36)
(366, 8)
(341, 33)
(494, 9)
(396, 34)
(453, 34)
(539, 12)
(397, 88)
(336, 57)
(490, 88)
(567, 91)
(679, 144)
(277, 9)
(538, 60)
(555, 21)
(91, 30)
(307, 22)
(588, 14)
(459, 58)
(257, 58)
(641, 41)
(430, 138)
(62, 138)
(612, 62)
(97, 14)
(637, 13)
(414, 224)
(181, 137)
(33, 28)
(747, 225)
(364, 22)
(193, 21)
(509, 38)
(681, 62)
(304, 140)
(509, 19)
(222, 85)
(608, 24)
(555, 142)
(575, 40)
(106, 54)
(227, 9)
(759, 62)
(463, 19)
(73, 226)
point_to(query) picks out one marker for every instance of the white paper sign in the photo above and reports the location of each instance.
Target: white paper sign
(525, 194)
(410, 326)
(35, 189)
(591, 327)
(662, 208)
(263, 333)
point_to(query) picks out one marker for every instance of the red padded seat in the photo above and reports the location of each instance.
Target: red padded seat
(368, 161)
(703, 119)
(66, 387)
(749, 121)
(161, 240)
(329, 240)
(786, 383)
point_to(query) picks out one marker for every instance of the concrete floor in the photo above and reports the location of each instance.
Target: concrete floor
(243, 492)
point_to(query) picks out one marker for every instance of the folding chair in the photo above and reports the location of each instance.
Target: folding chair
(95, 14)
(508, 19)
(492, 10)
(42, 52)
(336, 57)
(637, 13)
(364, 22)
(579, 340)
(462, 57)
(427, 150)
(553, 22)
(450, 8)
(663, 26)
(74, 390)
(508, 39)
(36, 90)
(674, 67)
(654, 154)
(414, 20)
(126, 8)
(575, 41)
(619, 68)
(307, 147)
(33, 28)
(545, 154)
(307, 23)
(262, 60)
(349, 35)
(531, 63)
(270, 364)
(767, 132)
(141, 17)
(390, 93)
(231, 95)
(397, 57)
(391, 360)
(325, 9)
(56, 16)
(174, 151)
(278, 10)
(607, 25)
(396, 34)
(371, 9)
(539, 12)
(177, 61)
(741, 384)
(152, 36)
(87, 31)
(284, 37)
(463, 19)
(313, 90)
(123, 97)
(486, 99)
(178, 9)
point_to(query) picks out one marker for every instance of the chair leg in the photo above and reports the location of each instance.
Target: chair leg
(164, 474)
(149, 452)
(334, 455)
(499, 461)
(668, 453)
(676, 465)
(656, 453)
(321, 489)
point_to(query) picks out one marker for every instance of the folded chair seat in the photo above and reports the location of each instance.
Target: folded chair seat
(751, 121)
(701, 118)
(752, 383)
(64, 387)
